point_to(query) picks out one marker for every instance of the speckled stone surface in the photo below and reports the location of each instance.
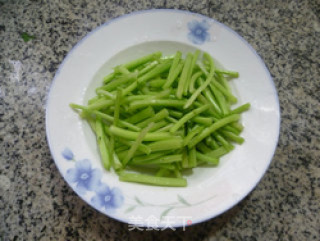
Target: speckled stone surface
(36, 203)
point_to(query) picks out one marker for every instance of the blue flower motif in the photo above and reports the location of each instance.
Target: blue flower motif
(67, 154)
(198, 31)
(84, 176)
(107, 198)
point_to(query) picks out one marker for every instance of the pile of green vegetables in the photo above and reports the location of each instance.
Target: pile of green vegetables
(156, 116)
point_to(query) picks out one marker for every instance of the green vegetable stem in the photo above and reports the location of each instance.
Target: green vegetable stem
(155, 117)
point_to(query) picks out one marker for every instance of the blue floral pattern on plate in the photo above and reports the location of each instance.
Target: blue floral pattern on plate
(106, 198)
(84, 176)
(67, 154)
(198, 31)
(87, 179)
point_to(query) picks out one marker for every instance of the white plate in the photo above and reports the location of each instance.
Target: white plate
(210, 191)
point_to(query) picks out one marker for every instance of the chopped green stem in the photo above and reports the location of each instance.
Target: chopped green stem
(116, 164)
(203, 148)
(136, 143)
(185, 161)
(237, 126)
(121, 148)
(187, 117)
(231, 136)
(210, 60)
(191, 134)
(212, 100)
(141, 115)
(192, 65)
(120, 81)
(223, 81)
(157, 117)
(157, 83)
(94, 99)
(107, 130)
(106, 117)
(229, 128)
(171, 119)
(207, 158)
(219, 152)
(165, 128)
(167, 57)
(241, 109)
(152, 156)
(100, 104)
(199, 90)
(177, 173)
(155, 71)
(145, 90)
(121, 122)
(175, 114)
(230, 73)
(184, 75)
(117, 108)
(109, 77)
(221, 101)
(153, 180)
(121, 70)
(194, 77)
(147, 68)
(159, 95)
(164, 145)
(102, 145)
(162, 172)
(130, 88)
(174, 65)
(207, 131)
(143, 60)
(78, 107)
(202, 120)
(192, 158)
(137, 97)
(110, 147)
(202, 68)
(151, 166)
(168, 166)
(162, 159)
(121, 153)
(223, 141)
(142, 147)
(166, 102)
(212, 143)
(124, 153)
(92, 124)
(168, 159)
(214, 108)
(174, 75)
(158, 125)
(105, 93)
(131, 135)
(227, 94)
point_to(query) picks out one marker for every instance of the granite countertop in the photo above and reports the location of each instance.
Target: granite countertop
(35, 201)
